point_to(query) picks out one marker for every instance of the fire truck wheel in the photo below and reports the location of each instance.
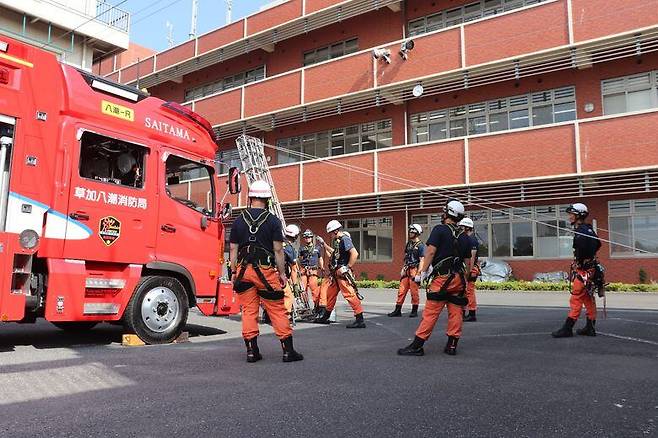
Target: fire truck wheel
(75, 326)
(157, 311)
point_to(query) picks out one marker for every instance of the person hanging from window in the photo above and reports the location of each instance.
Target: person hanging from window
(258, 271)
(414, 252)
(311, 263)
(472, 267)
(446, 250)
(586, 274)
(343, 255)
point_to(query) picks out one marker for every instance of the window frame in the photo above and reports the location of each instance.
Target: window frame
(627, 87)
(211, 174)
(144, 169)
(344, 50)
(489, 108)
(226, 83)
(364, 228)
(631, 215)
(381, 126)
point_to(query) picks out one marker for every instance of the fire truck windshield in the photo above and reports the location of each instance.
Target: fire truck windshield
(111, 160)
(190, 183)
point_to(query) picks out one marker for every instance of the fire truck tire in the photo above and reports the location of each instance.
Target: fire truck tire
(158, 309)
(75, 326)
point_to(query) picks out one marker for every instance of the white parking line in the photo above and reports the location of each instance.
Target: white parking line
(635, 320)
(628, 338)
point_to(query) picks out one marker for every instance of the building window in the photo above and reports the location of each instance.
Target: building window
(372, 237)
(331, 51)
(530, 232)
(630, 93)
(228, 159)
(633, 227)
(233, 81)
(464, 14)
(534, 109)
(356, 138)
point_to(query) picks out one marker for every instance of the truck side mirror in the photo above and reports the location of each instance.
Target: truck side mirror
(234, 185)
(226, 211)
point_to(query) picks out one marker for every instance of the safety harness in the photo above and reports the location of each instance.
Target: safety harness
(409, 250)
(593, 279)
(451, 266)
(310, 271)
(333, 266)
(257, 256)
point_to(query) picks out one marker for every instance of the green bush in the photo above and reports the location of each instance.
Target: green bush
(642, 274)
(521, 286)
(363, 276)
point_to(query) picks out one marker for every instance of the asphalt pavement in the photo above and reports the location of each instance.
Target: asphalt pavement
(510, 378)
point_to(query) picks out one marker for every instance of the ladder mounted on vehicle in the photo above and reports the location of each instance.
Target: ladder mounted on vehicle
(255, 167)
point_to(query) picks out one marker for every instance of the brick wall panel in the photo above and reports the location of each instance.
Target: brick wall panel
(222, 108)
(527, 31)
(273, 94)
(523, 154)
(343, 76)
(323, 180)
(598, 18)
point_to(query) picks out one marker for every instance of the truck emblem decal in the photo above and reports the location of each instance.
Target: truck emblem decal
(109, 230)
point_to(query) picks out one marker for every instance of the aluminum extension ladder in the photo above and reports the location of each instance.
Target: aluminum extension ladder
(255, 167)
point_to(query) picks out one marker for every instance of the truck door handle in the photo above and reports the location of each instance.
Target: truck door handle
(79, 216)
(167, 228)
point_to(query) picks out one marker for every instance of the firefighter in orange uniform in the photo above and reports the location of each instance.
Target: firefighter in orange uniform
(586, 276)
(292, 270)
(258, 272)
(414, 253)
(446, 251)
(472, 268)
(343, 256)
(311, 263)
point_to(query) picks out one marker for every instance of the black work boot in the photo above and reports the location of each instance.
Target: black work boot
(316, 309)
(253, 355)
(451, 346)
(414, 311)
(470, 317)
(358, 322)
(588, 330)
(566, 331)
(397, 311)
(265, 319)
(413, 349)
(323, 316)
(289, 353)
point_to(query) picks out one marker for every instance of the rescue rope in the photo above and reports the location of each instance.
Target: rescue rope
(415, 185)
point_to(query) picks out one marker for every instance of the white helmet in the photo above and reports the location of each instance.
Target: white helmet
(415, 228)
(292, 230)
(333, 226)
(454, 209)
(260, 189)
(466, 222)
(578, 209)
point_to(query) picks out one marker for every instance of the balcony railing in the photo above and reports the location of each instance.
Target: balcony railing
(113, 16)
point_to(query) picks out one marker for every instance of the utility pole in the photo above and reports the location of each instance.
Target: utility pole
(195, 9)
(170, 33)
(229, 11)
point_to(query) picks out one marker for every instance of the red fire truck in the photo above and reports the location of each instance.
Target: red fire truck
(108, 206)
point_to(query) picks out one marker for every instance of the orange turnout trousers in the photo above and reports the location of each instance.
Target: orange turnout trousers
(250, 300)
(434, 308)
(470, 290)
(329, 293)
(408, 284)
(580, 297)
(309, 280)
(288, 298)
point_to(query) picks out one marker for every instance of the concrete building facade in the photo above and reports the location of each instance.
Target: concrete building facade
(516, 107)
(78, 31)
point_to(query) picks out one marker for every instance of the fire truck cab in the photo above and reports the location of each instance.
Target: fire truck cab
(108, 202)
